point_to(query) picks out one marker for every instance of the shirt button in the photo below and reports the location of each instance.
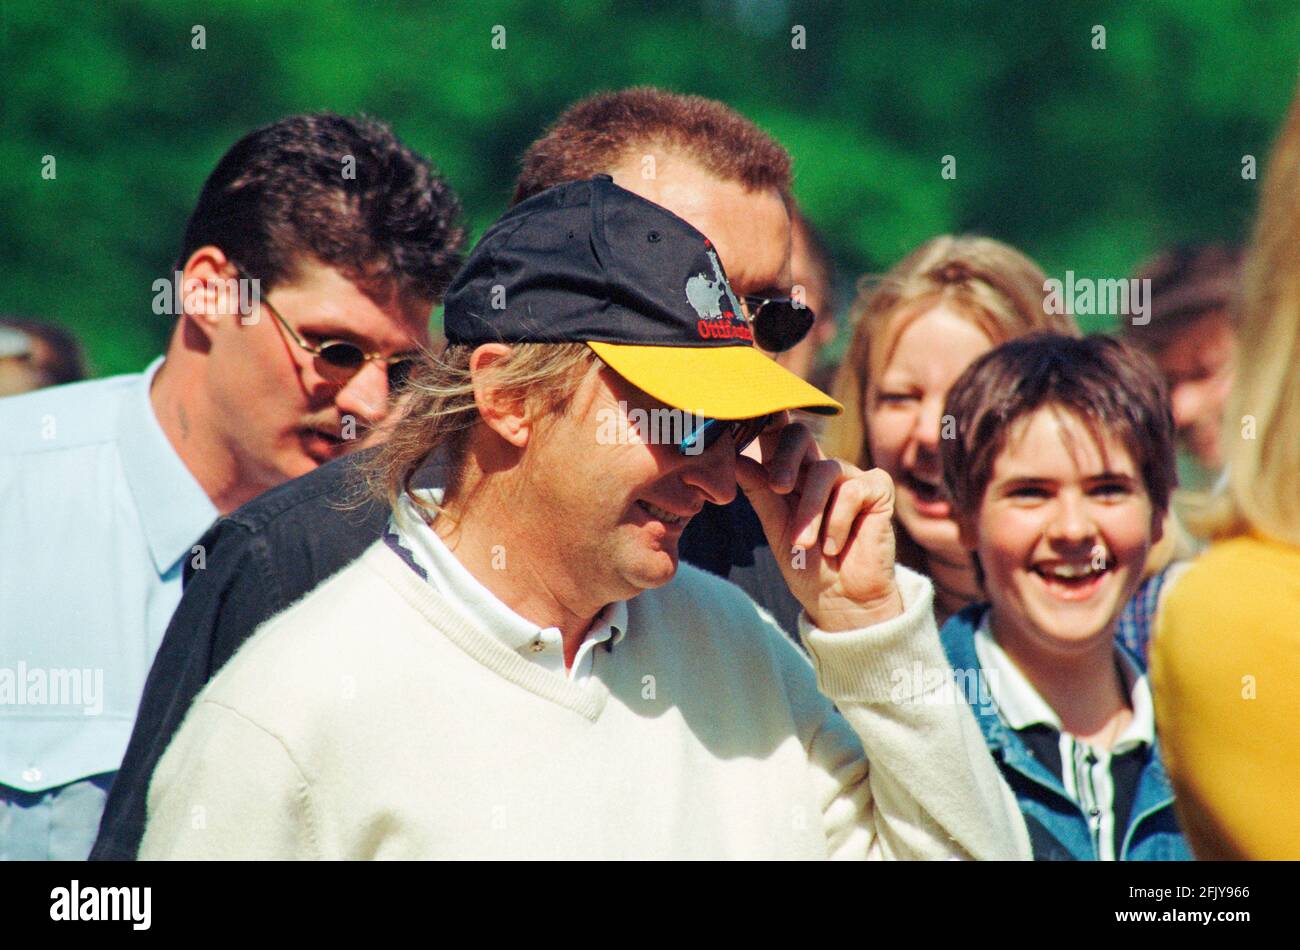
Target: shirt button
(32, 775)
(1096, 813)
(537, 646)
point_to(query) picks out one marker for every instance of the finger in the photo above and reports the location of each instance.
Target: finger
(771, 508)
(863, 494)
(765, 444)
(795, 448)
(815, 487)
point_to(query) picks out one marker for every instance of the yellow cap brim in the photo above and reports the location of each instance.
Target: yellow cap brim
(721, 382)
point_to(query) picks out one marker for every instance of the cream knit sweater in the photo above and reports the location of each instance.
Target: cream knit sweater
(373, 719)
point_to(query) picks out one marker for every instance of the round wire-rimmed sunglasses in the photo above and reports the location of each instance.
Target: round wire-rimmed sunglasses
(342, 358)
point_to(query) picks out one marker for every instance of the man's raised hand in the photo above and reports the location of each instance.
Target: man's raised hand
(829, 524)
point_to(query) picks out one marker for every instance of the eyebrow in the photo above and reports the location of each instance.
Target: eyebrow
(1025, 481)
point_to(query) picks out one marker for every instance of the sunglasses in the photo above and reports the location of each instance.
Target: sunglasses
(709, 431)
(340, 360)
(779, 323)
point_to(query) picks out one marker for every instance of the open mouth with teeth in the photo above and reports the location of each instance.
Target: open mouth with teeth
(667, 517)
(931, 498)
(1072, 581)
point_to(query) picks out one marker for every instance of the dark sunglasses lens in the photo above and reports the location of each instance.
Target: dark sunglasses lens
(343, 355)
(780, 325)
(399, 373)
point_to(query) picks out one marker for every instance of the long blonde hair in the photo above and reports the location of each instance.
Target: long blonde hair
(990, 283)
(441, 409)
(1262, 429)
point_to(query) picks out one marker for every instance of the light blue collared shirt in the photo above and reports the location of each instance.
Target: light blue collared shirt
(97, 514)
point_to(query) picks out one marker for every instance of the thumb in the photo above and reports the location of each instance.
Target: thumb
(771, 508)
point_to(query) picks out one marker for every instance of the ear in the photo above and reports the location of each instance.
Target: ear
(502, 412)
(825, 331)
(205, 296)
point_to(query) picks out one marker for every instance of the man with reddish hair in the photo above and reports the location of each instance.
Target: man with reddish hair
(635, 129)
(695, 157)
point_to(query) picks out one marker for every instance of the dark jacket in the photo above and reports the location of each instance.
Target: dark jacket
(1058, 828)
(260, 559)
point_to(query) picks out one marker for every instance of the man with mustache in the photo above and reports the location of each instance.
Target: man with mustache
(304, 285)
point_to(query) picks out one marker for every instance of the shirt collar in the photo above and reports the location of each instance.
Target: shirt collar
(174, 509)
(1142, 728)
(610, 624)
(452, 579)
(1018, 702)
(617, 620)
(1022, 706)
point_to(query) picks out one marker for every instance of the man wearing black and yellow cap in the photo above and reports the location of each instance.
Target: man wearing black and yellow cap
(695, 156)
(521, 668)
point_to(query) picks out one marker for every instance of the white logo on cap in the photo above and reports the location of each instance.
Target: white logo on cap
(706, 295)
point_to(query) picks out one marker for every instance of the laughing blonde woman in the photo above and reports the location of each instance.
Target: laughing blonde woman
(947, 303)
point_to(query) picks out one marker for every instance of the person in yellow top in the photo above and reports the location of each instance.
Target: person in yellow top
(1226, 651)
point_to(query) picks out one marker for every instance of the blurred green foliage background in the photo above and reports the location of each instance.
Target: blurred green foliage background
(1087, 158)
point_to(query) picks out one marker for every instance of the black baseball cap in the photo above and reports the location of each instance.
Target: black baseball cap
(590, 262)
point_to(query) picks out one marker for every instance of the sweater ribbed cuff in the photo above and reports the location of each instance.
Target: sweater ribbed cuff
(866, 665)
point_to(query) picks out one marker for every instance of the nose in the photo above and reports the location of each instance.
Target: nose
(365, 395)
(929, 422)
(1070, 522)
(713, 472)
(1185, 404)
(922, 448)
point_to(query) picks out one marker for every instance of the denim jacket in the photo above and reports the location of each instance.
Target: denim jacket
(1057, 826)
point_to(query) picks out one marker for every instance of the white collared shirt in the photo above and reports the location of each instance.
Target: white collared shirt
(543, 646)
(1085, 769)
